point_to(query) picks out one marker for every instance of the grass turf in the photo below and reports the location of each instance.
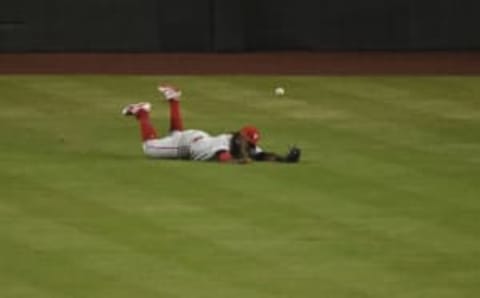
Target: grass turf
(384, 204)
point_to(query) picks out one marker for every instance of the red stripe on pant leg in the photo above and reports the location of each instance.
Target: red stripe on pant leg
(176, 122)
(147, 130)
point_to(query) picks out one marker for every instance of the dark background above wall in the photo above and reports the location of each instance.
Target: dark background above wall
(237, 25)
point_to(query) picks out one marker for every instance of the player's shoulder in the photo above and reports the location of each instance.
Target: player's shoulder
(224, 136)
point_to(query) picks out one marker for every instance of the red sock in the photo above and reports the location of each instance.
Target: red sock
(176, 122)
(146, 128)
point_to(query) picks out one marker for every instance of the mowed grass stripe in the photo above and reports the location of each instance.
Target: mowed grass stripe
(376, 109)
(143, 238)
(56, 273)
(241, 242)
(285, 261)
(403, 166)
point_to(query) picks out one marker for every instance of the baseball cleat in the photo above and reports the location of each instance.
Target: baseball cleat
(170, 92)
(134, 108)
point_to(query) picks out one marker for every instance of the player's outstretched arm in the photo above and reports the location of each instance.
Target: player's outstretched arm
(292, 156)
(244, 151)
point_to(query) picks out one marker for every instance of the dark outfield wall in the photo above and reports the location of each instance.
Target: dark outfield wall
(238, 25)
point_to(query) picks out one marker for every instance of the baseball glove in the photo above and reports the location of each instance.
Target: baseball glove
(293, 154)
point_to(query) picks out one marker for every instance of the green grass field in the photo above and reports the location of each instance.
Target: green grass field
(386, 202)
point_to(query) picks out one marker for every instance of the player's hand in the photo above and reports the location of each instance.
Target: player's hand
(293, 154)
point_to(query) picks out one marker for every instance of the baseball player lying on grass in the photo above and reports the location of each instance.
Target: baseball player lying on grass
(240, 146)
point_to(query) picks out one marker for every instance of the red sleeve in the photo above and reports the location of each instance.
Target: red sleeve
(224, 156)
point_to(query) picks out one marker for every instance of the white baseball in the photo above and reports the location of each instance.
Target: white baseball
(279, 91)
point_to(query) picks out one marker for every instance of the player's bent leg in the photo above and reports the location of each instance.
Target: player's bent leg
(147, 130)
(176, 122)
(141, 111)
(172, 95)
